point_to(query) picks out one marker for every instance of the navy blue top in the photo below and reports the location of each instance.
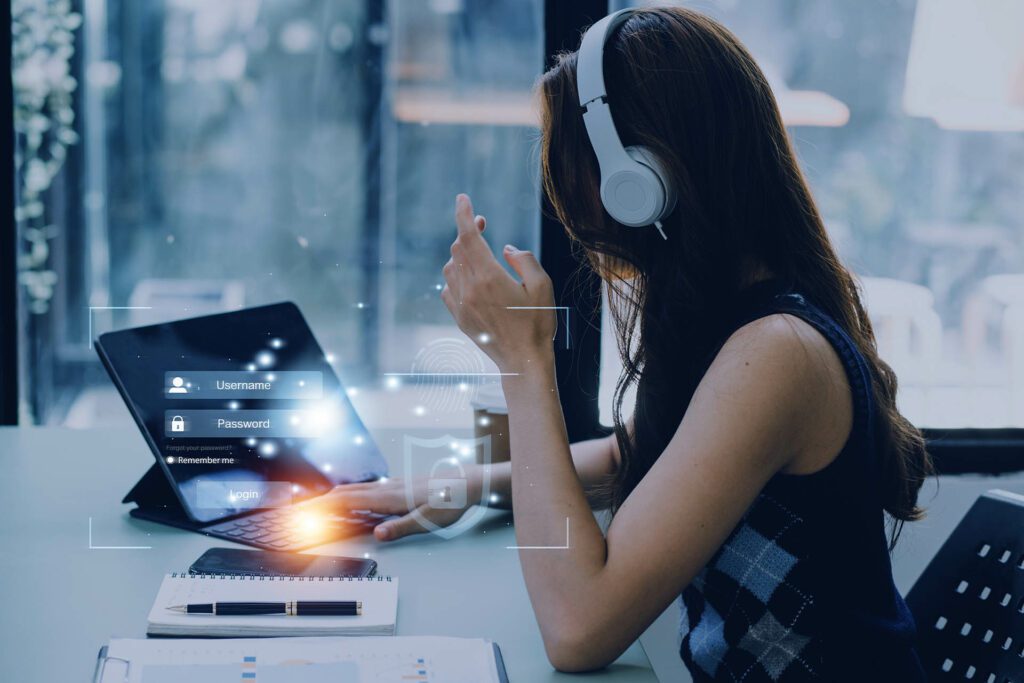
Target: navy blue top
(802, 588)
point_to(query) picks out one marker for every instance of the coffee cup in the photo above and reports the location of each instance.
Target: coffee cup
(490, 420)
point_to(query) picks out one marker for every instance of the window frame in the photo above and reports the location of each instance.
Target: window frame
(8, 239)
(976, 450)
(575, 285)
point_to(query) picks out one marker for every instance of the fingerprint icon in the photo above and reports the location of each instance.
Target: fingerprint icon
(448, 372)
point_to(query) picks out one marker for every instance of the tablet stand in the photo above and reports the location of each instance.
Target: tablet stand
(157, 502)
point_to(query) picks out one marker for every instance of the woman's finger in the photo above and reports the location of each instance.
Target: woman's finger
(526, 265)
(469, 237)
(464, 222)
(393, 529)
(384, 500)
(360, 485)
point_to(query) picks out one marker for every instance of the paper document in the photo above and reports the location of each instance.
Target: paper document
(302, 660)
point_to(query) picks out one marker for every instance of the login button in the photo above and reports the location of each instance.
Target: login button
(242, 495)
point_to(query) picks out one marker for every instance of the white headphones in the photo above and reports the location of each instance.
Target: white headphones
(635, 187)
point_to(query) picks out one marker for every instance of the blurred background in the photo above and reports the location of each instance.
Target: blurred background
(182, 157)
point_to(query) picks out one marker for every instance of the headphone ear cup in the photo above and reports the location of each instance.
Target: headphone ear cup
(632, 194)
(644, 156)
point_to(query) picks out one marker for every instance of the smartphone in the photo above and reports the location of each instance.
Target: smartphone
(271, 563)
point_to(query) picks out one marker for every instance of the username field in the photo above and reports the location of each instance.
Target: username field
(235, 384)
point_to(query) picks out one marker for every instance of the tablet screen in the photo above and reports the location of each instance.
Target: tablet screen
(243, 409)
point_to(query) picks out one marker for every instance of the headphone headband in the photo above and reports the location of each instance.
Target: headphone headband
(590, 60)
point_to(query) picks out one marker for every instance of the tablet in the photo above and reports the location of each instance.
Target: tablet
(242, 410)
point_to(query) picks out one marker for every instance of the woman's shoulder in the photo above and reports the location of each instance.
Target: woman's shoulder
(794, 362)
(784, 342)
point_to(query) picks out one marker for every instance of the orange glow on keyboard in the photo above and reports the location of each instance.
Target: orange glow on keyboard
(309, 524)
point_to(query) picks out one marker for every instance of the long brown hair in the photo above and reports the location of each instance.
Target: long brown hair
(685, 87)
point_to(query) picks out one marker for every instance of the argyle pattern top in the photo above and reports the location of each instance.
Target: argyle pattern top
(802, 589)
(751, 613)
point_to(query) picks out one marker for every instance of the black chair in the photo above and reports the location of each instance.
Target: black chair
(969, 602)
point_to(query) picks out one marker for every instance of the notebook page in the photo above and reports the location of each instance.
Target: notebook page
(379, 598)
(339, 660)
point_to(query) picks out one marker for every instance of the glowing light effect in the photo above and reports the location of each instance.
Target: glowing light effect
(324, 417)
(359, 440)
(392, 382)
(453, 461)
(326, 467)
(233, 405)
(484, 421)
(271, 377)
(251, 442)
(268, 448)
(295, 420)
(265, 359)
(438, 287)
(329, 357)
(295, 488)
(251, 367)
(308, 524)
(466, 451)
(383, 480)
(419, 411)
(484, 338)
(454, 445)
(352, 391)
(360, 305)
(494, 498)
(276, 343)
(463, 386)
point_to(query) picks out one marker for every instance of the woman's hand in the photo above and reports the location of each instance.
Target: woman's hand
(388, 497)
(510, 321)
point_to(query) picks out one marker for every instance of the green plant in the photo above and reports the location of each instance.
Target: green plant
(42, 45)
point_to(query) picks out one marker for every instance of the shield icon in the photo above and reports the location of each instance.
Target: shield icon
(422, 456)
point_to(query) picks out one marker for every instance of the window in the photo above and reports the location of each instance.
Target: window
(187, 157)
(183, 157)
(912, 144)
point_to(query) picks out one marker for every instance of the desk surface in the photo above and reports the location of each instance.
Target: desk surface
(62, 600)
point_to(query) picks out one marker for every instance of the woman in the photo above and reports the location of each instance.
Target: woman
(765, 448)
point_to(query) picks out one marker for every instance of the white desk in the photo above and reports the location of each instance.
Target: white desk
(62, 600)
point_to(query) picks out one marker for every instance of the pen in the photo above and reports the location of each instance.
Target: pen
(293, 608)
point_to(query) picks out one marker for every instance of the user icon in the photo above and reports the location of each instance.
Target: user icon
(177, 386)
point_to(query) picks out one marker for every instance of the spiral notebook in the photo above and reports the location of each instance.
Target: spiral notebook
(379, 596)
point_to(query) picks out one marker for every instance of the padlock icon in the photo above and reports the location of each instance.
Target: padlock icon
(177, 423)
(446, 493)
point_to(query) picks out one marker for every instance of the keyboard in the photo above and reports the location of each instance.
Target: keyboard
(293, 528)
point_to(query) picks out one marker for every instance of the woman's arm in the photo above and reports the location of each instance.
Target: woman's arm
(758, 407)
(594, 460)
